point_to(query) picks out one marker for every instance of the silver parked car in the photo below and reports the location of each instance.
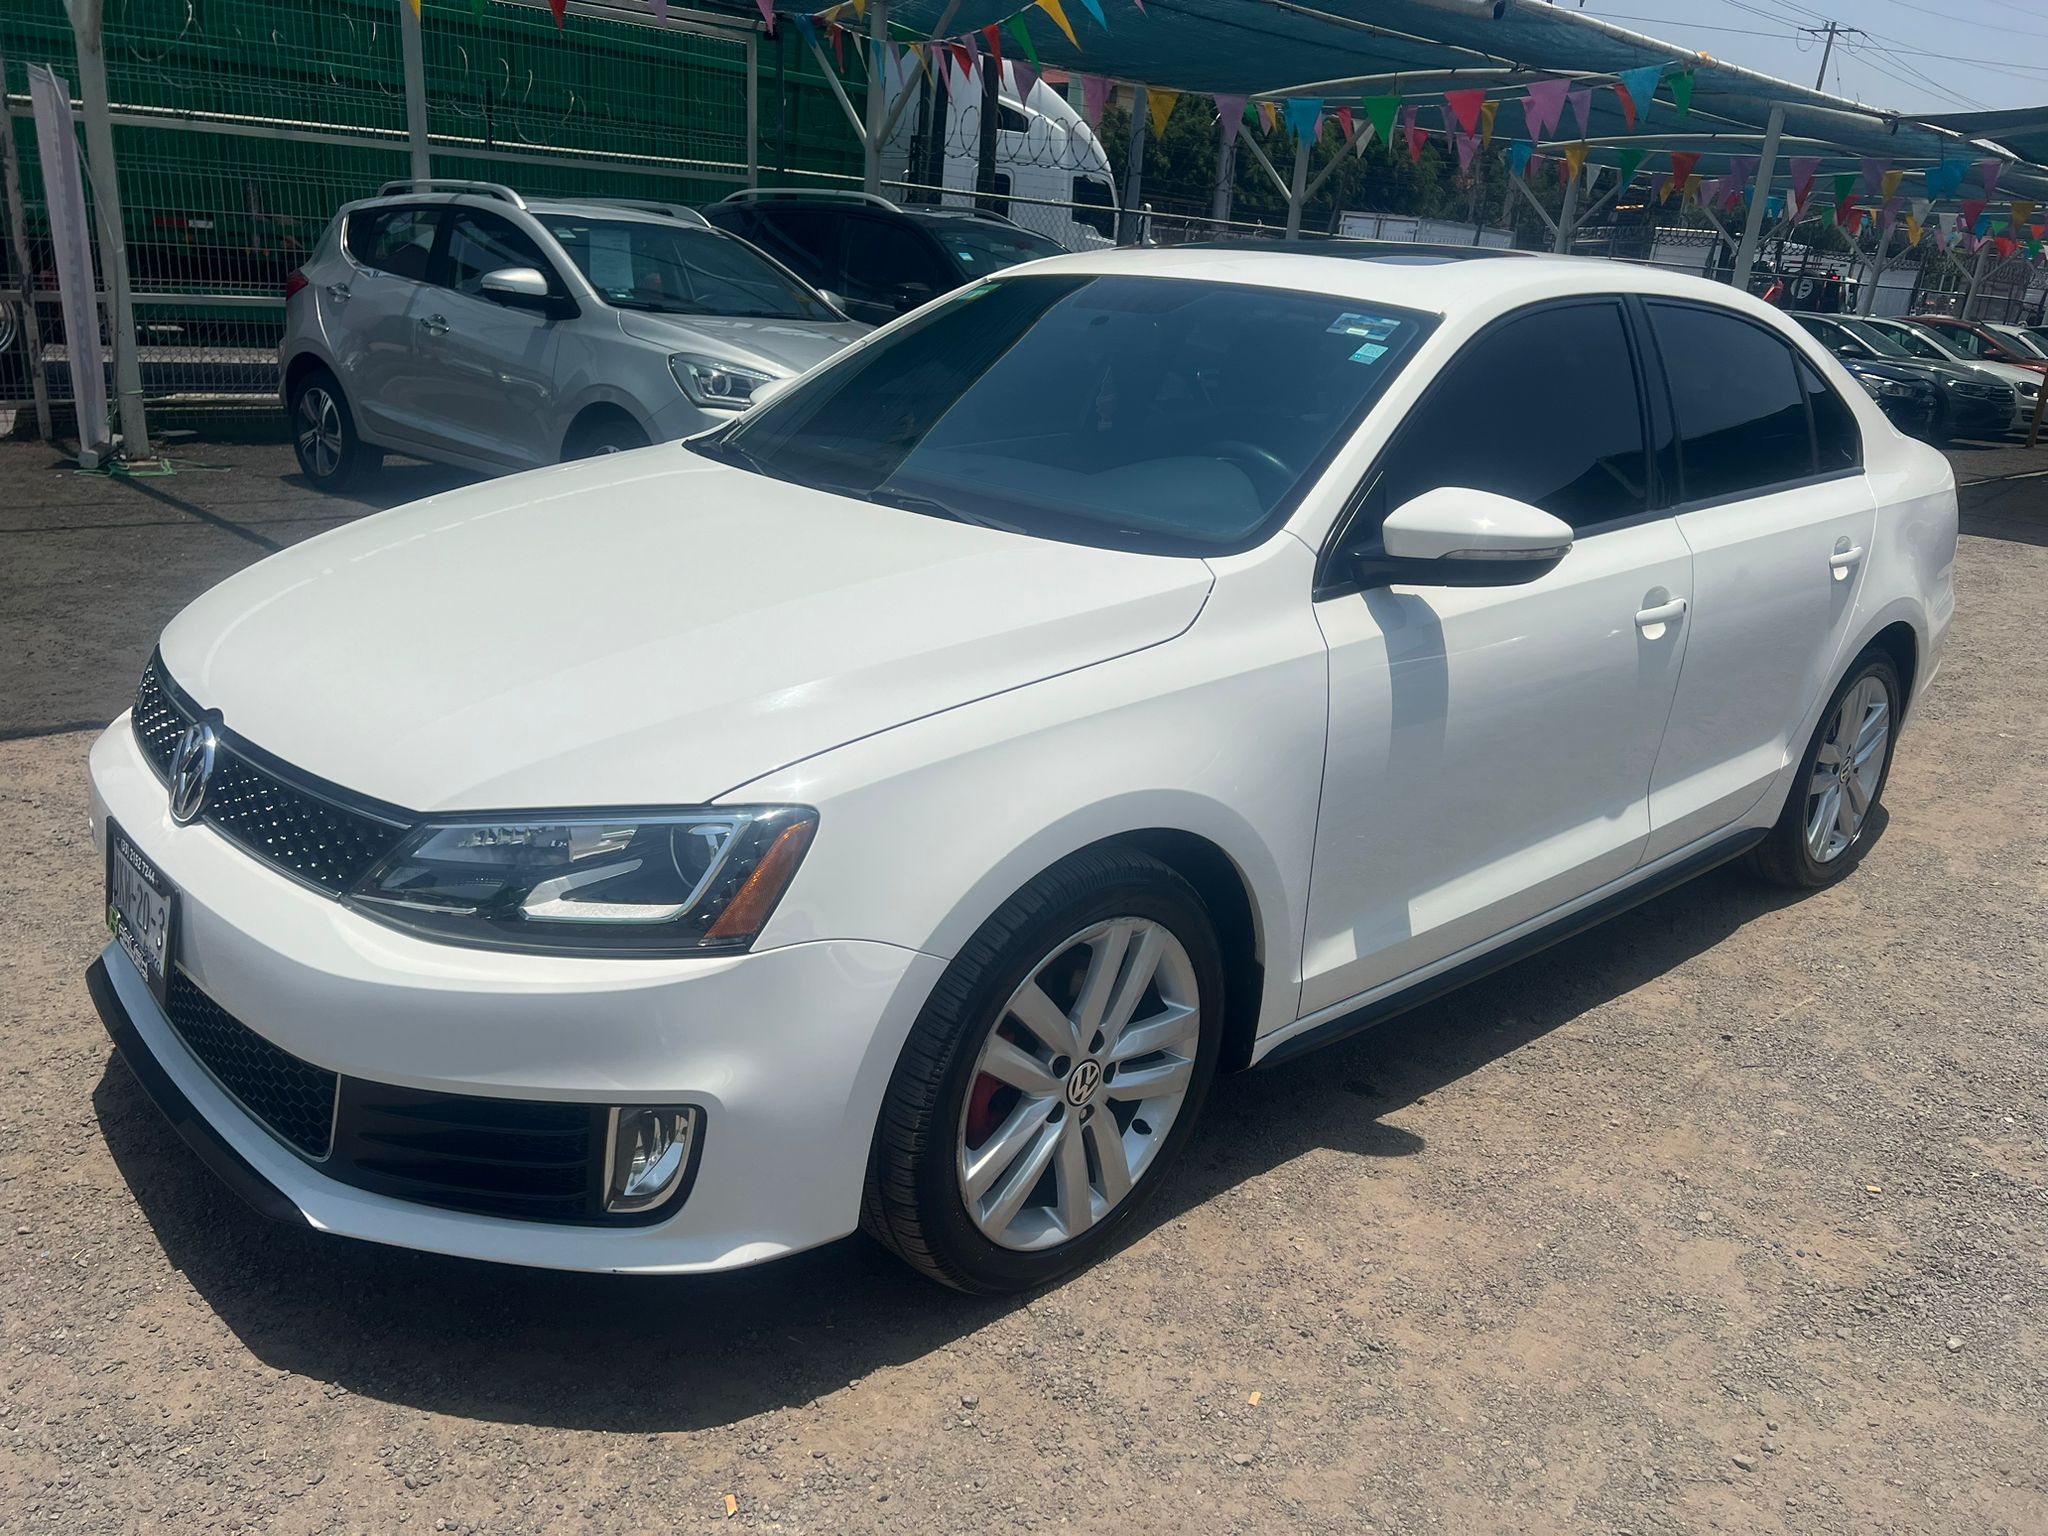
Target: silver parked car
(458, 321)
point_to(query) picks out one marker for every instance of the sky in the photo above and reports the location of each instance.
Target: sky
(1909, 55)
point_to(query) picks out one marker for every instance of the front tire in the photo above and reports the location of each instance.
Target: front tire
(1820, 835)
(613, 432)
(1052, 1078)
(324, 438)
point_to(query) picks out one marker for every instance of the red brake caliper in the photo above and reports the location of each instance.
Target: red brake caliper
(981, 1109)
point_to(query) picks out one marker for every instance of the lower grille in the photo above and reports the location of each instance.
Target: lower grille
(292, 1098)
(495, 1157)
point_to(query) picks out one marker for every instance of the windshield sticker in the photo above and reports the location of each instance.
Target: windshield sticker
(1369, 327)
(1371, 352)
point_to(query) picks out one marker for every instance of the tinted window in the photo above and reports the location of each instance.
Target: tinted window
(1098, 204)
(805, 240)
(1832, 336)
(1913, 343)
(482, 242)
(1741, 415)
(1968, 343)
(1582, 459)
(1837, 444)
(394, 240)
(679, 270)
(982, 247)
(887, 262)
(1131, 412)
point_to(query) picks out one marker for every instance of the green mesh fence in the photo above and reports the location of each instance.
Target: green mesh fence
(240, 126)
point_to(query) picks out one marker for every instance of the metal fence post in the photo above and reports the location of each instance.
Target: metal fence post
(1226, 167)
(414, 56)
(878, 96)
(1297, 194)
(1567, 217)
(1128, 224)
(1752, 227)
(106, 197)
(31, 327)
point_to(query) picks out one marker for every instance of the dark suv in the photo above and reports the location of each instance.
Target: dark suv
(876, 259)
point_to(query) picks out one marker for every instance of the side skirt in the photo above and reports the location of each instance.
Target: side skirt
(1591, 915)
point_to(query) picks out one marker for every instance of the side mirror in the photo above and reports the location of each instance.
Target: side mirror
(909, 295)
(523, 288)
(833, 297)
(1453, 537)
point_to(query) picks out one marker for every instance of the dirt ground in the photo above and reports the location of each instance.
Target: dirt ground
(1728, 1216)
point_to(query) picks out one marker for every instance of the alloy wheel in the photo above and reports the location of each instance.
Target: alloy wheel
(319, 431)
(1078, 1083)
(1847, 769)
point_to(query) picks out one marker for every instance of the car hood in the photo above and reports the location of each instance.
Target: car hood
(646, 628)
(776, 346)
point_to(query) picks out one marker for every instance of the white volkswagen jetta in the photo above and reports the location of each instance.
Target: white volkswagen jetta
(893, 808)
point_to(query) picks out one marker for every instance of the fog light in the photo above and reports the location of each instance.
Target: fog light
(650, 1156)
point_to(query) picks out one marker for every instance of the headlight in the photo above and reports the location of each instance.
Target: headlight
(2029, 389)
(711, 383)
(658, 883)
(1890, 389)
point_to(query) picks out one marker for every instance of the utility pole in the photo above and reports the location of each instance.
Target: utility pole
(1831, 31)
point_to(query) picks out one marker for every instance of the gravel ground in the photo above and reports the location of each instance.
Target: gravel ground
(1728, 1216)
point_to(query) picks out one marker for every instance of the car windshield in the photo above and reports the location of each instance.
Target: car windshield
(1140, 413)
(981, 248)
(1877, 339)
(2020, 341)
(1913, 341)
(677, 270)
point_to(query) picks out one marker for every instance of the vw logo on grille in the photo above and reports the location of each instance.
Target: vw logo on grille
(191, 768)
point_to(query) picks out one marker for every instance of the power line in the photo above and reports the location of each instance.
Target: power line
(1831, 31)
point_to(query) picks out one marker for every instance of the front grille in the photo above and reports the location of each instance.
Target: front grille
(495, 1157)
(293, 1098)
(500, 1157)
(312, 834)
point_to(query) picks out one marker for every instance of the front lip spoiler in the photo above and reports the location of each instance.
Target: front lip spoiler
(230, 1166)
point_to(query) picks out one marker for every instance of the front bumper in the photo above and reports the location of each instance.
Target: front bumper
(786, 1051)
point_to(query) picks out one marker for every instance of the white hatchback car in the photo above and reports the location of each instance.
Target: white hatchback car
(459, 321)
(893, 808)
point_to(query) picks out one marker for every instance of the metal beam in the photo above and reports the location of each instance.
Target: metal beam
(1752, 226)
(1264, 163)
(1127, 231)
(1517, 184)
(878, 104)
(1297, 193)
(1567, 223)
(413, 55)
(106, 196)
(831, 75)
(31, 327)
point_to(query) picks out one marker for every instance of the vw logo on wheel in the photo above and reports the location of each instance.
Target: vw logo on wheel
(191, 768)
(1082, 1085)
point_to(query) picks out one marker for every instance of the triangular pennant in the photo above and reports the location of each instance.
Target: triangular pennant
(1231, 110)
(1380, 111)
(1913, 229)
(1464, 108)
(1575, 158)
(660, 9)
(1543, 105)
(1269, 116)
(1888, 184)
(1872, 175)
(1637, 88)
(1631, 161)
(1023, 35)
(1581, 102)
(993, 36)
(1468, 146)
(1094, 8)
(1682, 162)
(1987, 171)
(1345, 125)
(559, 7)
(1681, 94)
(1160, 104)
(1487, 113)
(1052, 9)
(1945, 178)
(1412, 134)
(2022, 209)
(1804, 167)
(1095, 96)
(1973, 210)
(1845, 187)
(1660, 186)
(1026, 77)
(1519, 155)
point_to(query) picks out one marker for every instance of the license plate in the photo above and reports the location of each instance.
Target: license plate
(142, 910)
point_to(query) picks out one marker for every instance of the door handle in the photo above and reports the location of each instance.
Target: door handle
(338, 292)
(434, 325)
(1844, 560)
(1663, 613)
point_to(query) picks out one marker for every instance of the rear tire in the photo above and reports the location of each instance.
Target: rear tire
(993, 1184)
(1820, 835)
(324, 438)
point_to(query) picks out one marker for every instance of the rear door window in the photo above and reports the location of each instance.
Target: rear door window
(395, 240)
(1584, 461)
(1742, 414)
(1837, 443)
(892, 264)
(805, 240)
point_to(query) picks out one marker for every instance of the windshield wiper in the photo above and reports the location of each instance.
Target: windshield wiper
(928, 506)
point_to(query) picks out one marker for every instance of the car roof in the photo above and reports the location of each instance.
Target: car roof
(1397, 252)
(1436, 287)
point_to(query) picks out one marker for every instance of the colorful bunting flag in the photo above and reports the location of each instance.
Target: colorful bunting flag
(1230, 109)
(1987, 171)
(559, 7)
(1845, 188)
(1379, 111)
(1575, 158)
(1913, 229)
(1519, 154)
(1464, 106)
(1660, 186)
(1269, 115)
(1873, 174)
(1094, 8)
(1681, 94)
(1345, 126)
(1543, 105)
(1160, 104)
(1487, 113)
(1412, 134)
(1804, 168)
(1682, 162)
(1637, 89)
(1059, 16)
(1581, 102)
(660, 9)
(1945, 179)
(2022, 209)
(1888, 185)
(1631, 162)
(1973, 210)
(1095, 96)
(1023, 35)
(1468, 146)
